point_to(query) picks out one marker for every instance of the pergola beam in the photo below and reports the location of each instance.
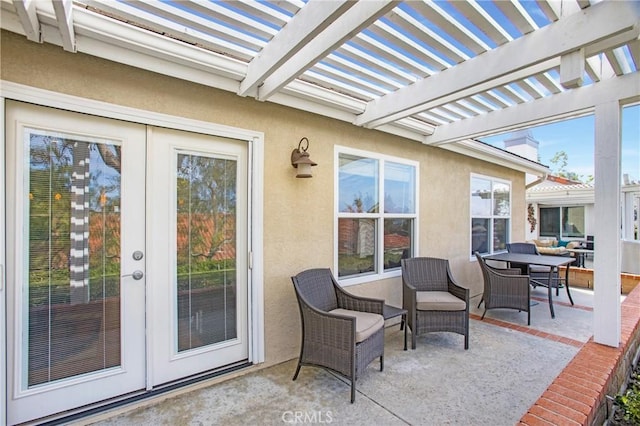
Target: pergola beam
(64, 15)
(564, 104)
(355, 19)
(466, 93)
(300, 30)
(605, 20)
(26, 10)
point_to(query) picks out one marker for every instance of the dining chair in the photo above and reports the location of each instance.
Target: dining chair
(539, 274)
(504, 288)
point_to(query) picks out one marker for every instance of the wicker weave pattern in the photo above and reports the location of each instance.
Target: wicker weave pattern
(329, 340)
(504, 288)
(432, 274)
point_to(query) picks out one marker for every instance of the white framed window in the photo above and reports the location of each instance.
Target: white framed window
(376, 207)
(490, 202)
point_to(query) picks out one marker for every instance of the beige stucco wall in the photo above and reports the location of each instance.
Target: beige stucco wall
(298, 213)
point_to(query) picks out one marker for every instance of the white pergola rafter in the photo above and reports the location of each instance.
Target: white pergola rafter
(300, 30)
(518, 15)
(473, 11)
(64, 15)
(356, 18)
(610, 24)
(444, 20)
(172, 27)
(26, 10)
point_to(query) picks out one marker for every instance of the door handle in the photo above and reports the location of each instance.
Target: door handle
(137, 275)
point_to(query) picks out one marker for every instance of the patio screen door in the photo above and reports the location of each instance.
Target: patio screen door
(75, 217)
(198, 253)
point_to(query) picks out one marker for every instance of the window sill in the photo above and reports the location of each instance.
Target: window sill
(364, 279)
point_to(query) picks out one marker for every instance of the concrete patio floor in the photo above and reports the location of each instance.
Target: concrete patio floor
(507, 367)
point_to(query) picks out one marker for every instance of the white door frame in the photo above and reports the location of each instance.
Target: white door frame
(255, 140)
(3, 262)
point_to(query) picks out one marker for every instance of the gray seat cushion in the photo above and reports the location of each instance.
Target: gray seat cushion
(438, 301)
(366, 322)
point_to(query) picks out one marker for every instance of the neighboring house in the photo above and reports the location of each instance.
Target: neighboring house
(564, 209)
(186, 138)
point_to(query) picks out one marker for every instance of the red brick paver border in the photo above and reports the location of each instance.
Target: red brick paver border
(578, 395)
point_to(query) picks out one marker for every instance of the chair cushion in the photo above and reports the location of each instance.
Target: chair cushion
(573, 244)
(554, 251)
(438, 301)
(366, 322)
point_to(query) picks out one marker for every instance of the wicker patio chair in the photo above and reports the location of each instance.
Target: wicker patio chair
(539, 274)
(432, 298)
(504, 288)
(340, 332)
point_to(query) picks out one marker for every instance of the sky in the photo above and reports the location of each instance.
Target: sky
(576, 138)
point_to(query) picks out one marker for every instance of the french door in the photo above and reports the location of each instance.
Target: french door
(126, 258)
(198, 253)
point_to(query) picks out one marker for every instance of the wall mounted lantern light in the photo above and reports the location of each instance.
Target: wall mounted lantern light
(301, 161)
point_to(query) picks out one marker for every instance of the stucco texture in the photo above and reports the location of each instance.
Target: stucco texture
(298, 213)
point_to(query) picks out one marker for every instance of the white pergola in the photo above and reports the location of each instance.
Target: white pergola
(440, 73)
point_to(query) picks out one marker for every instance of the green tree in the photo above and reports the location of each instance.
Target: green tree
(560, 161)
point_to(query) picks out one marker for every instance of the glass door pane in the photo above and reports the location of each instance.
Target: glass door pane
(206, 250)
(198, 253)
(73, 260)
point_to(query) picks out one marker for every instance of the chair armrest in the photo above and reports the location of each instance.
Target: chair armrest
(458, 291)
(408, 296)
(358, 303)
(328, 330)
(504, 271)
(507, 271)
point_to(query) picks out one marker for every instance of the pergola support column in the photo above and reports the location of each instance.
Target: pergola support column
(607, 169)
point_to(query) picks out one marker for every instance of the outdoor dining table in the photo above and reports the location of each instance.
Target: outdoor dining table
(581, 255)
(553, 262)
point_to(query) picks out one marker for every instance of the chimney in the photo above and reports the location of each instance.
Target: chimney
(523, 144)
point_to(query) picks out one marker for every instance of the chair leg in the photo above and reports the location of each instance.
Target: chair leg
(381, 362)
(485, 311)
(353, 390)
(466, 340)
(295, 376)
(529, 317)
(481, 300)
